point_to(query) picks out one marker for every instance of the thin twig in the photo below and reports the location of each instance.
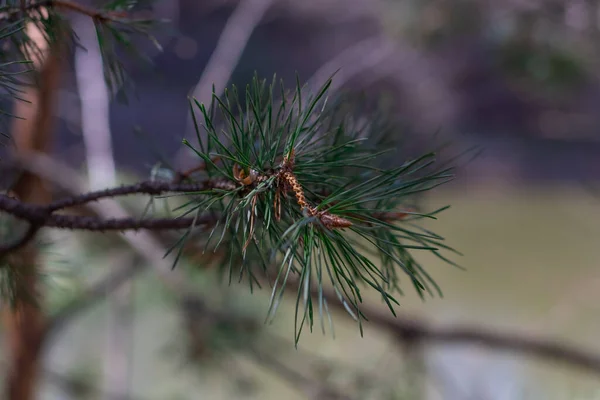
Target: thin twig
(183, 175)
(40, 216)
(125, 223)
(146, 187)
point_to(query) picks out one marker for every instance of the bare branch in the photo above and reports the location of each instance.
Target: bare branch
(143, 243)
(405, 328)
(230, 47)
(146, 187)
(124, 224)
(40, 216)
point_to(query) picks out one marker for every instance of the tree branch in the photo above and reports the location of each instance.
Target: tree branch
(352, 61)
(40, 216)
(405, 328)
(124, 224)
(146, 187)
(229, 47)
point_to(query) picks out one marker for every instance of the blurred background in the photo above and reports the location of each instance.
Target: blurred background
(518, 79)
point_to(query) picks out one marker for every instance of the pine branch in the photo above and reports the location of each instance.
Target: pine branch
(294, 183)
(40, 216)
(125, 224)
(145, 187)
(114, 24)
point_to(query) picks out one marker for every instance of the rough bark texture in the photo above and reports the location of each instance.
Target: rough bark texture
(24, 323)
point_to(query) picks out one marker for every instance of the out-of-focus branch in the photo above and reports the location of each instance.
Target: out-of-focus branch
(411, 329)
(198, 315)
(95, 101)
(229, 48)
(127, 267)
(68, 5)
(353, 61)
(311, 388)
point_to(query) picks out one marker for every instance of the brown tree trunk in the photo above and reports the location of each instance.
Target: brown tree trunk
(24, 323)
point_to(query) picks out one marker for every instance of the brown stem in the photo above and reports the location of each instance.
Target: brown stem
(146, 187)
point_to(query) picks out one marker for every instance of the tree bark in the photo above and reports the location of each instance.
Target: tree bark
(24, 321)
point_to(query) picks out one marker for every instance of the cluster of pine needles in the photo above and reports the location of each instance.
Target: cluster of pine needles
(304, 190)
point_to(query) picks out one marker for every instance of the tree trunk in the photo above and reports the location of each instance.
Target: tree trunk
(24, 323)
